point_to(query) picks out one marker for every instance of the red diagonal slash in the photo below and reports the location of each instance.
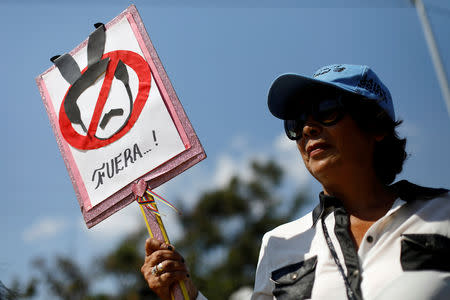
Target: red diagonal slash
(90, 141)
(102, 97)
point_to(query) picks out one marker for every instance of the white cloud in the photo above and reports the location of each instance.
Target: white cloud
(228, 165)
(235, 161)
(120, 224)
(225, 169)
(288, 156)
(239, 142)
(409, 129)
(44, 228)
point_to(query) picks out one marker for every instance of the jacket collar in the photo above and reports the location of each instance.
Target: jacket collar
(405, 190)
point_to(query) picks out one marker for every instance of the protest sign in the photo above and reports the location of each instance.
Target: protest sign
(116, 117)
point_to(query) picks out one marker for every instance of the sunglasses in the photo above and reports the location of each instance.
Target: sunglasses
(326, 112)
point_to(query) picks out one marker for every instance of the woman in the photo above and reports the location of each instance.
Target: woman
(366, 239)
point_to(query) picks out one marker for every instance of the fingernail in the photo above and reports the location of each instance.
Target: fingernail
(170, 248)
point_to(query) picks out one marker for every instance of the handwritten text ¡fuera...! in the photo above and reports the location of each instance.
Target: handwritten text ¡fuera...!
(116, 164)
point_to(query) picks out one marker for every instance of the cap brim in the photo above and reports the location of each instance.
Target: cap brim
(289, 93)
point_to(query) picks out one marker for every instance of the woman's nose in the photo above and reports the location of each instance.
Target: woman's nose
(311, 128)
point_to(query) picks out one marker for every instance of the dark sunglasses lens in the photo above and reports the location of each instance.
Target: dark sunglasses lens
(294, 128)
(328, 112)
(329, 117)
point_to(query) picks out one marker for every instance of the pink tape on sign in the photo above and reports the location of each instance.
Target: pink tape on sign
(139, 188)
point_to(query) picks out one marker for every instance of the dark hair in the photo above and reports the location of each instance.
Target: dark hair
(389, 153)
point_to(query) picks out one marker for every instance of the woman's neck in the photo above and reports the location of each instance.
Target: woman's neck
(364, 197)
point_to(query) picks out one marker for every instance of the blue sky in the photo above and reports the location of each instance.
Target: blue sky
(221, 59)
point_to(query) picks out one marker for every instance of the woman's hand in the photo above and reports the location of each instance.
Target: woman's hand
(163, 268)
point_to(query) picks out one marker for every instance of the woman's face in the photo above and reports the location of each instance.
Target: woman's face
(333, 153)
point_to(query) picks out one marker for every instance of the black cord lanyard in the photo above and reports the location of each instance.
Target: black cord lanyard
(351, 295)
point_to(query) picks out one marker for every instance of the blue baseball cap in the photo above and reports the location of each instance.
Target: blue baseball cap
(289, 92)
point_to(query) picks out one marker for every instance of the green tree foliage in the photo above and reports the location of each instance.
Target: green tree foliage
(123, 265)
(222, 236)
(18, 290)
(63, 279)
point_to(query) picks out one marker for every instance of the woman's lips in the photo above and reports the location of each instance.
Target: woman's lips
(316, 149)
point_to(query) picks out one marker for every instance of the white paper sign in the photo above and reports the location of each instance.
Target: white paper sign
(152, 140)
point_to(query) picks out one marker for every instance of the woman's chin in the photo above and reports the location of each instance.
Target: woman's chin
(323, 169)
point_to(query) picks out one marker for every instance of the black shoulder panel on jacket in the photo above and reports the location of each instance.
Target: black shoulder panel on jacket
(409, 191)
